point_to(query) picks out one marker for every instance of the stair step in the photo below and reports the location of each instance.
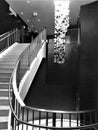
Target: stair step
(4, 79)
(11, 56)
(3, 122)
(8, 61)
(4, 86)
(5, 75)
(4, 102)
(7, 58)
(4, 119)
(4, 93)
(4, 112)
(3, 125)
(6, 70)
(4, 108)
(4, 98)
(7, 66)
(12, 53)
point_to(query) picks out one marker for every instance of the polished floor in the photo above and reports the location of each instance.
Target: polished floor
(55, 85)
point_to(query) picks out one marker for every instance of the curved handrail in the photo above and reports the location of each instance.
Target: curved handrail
(58, 111)
(21, 104)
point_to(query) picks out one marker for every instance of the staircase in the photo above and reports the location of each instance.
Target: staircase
(7, 64)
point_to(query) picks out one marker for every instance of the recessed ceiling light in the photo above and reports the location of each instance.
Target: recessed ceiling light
(36, 31)
(28, 20)
(24, 27)
(38, 20)
(35, 14)
(21, 13)
(28, 1)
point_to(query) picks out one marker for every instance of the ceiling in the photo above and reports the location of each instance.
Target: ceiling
(45, 12)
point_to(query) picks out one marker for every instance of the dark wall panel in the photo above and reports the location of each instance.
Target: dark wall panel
(7, 22)
(89, 56)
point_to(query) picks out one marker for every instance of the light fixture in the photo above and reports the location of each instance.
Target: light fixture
(38, 20)
(35, 14)
(24, 27)
(28, 1)
(61, 25)
(21, 13)
(28, 20)
(36, 31)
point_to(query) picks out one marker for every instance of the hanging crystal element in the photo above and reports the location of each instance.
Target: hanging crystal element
(61, 25)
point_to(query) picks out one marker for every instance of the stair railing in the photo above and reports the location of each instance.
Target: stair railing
(30, 118)
(9, 38)
(28, 56)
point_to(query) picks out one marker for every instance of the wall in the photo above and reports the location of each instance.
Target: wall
(89, 56)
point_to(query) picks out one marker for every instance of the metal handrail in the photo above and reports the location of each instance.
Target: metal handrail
(9, 34)
(47, 127)
(7, 39)
(58, 111)
(45, 110)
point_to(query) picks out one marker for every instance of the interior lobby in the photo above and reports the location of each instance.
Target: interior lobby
(48, 64)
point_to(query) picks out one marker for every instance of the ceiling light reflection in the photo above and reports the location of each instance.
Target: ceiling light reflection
(28, 20)
(28, 1)
(21, 13)
(38, 20)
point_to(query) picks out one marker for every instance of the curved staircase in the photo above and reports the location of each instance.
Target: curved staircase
(7, 64)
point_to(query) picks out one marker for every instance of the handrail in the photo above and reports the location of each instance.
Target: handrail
(2, 35)
(58, 111)
(7, 39)
(9, 34)
(46, 127)
(21, 112)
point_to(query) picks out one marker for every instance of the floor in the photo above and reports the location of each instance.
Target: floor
(55, 85)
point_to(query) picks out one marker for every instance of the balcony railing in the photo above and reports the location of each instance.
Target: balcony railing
(27, 118)
(9, 38)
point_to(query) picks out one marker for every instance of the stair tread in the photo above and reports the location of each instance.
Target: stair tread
(4, 108)
(6, 70)
(4, 103)
(3, 118)
(7, 63)
(4, 83)
(3, 125)
(4, 86)
(4, 98)
(5, 75)
(4, 112)
(6, 66)
(4, 79)
(4, 93)
(4, 129)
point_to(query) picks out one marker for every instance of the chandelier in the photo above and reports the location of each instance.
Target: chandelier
(61, 25)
